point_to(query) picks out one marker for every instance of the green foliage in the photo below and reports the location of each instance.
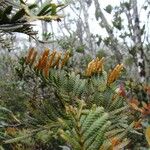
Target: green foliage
(18, 20)
(80, 49)
(12, 22)
(127, 5)
(117, 22)
(108, 9)
(107, 41)
(67, 107)
(88, 129)
(85, 111)
(11, 95)
(49, 8)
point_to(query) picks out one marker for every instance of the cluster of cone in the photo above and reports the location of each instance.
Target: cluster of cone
(47, 60)
(96, 66)
(114, 74)
(56, 59)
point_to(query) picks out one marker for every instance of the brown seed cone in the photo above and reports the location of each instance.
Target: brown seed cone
(45, 53)
(56, 63)
(33, 58)
(52, 56)
(29, 55)
(65, 59)
(114, 74)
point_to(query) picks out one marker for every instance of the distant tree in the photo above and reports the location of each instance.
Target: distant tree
(127, 23)
(126, 38)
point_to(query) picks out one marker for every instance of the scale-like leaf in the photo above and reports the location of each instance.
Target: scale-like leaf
(45, 10)
(8, 10)
(20, 14)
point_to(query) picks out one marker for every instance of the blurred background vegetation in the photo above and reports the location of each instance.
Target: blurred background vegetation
(86, 29)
